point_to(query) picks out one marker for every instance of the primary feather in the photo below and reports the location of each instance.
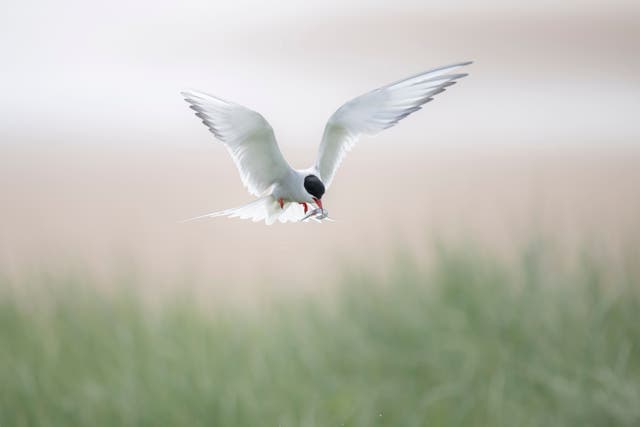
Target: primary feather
(248, 137)
(378, 110)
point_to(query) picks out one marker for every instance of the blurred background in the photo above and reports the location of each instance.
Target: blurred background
(100, 158)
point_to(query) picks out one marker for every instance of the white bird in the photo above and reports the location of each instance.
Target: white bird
(283, 192)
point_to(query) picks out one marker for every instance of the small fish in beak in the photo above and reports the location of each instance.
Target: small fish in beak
(317, 214)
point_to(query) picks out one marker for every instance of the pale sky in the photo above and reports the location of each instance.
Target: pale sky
(112, 71)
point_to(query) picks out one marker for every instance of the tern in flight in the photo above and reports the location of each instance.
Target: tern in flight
(284, 194)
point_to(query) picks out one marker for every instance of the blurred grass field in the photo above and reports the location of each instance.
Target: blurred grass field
(471, 341)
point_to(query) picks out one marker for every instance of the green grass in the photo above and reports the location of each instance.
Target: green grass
(472, 342)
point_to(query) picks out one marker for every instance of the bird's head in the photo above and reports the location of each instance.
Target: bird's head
(315, 188)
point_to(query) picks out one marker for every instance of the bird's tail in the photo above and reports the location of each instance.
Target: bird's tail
(265, 209)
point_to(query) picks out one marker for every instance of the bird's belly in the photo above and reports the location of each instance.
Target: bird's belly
(290, 193)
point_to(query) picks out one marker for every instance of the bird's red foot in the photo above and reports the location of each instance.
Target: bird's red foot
(306, 208)
(281, 201)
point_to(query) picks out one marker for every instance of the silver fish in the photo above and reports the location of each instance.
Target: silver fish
(317, 214)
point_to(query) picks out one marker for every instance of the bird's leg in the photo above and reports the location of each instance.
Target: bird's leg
(306, 208)
(281, 201)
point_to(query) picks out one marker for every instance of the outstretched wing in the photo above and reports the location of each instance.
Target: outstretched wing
(376, 111)
(248, 137)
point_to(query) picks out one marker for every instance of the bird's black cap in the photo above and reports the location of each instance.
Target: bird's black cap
(314, 186)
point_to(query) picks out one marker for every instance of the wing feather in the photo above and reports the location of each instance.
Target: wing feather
(247, 136)
(378, 110)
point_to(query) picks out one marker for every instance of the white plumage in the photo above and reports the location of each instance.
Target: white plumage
(248, 137)
(265, 209)
(282, 190)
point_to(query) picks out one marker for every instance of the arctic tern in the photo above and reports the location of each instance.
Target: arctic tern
(284, 193)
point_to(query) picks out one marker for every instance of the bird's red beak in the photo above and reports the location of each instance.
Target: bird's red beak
(318, 202)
